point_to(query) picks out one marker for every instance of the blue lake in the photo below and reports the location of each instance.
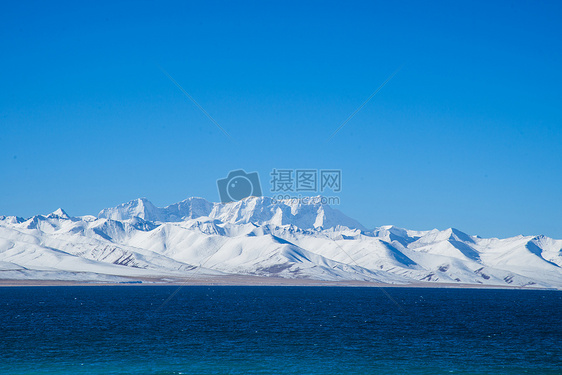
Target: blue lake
(278, 330)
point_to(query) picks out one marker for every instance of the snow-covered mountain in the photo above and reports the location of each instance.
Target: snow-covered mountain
(262, 237)
(311, 214)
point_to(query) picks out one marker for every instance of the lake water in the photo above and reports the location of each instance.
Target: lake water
(279, 330)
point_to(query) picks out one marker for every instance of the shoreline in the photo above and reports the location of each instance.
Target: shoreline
(238, 280)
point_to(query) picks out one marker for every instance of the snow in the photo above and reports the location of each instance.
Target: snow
(59, 213)
(262, 237)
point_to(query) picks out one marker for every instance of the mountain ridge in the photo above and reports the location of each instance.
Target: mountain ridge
(256, 209)
(262, 237)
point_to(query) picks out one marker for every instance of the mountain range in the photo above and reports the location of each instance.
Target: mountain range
(259, 237)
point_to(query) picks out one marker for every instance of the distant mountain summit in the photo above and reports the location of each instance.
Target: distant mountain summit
(59, 213)
(140, 207)
(307, 214)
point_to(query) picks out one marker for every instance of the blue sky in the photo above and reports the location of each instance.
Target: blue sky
(467, 134)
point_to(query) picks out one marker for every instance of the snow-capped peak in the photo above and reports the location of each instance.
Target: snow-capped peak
(307, 214)
(140, 207)
(58, 214)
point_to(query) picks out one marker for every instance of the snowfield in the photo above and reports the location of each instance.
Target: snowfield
(262, 237)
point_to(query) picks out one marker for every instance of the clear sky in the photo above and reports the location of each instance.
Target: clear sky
(468, 134)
